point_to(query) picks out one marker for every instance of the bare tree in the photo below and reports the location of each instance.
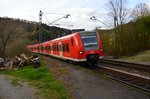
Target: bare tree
(118, 11)
(140, 10)
(5, 35)
(119, 15)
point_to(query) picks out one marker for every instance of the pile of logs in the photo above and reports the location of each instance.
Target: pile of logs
(17, 62)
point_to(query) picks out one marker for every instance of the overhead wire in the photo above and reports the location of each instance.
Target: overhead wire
(78, 22)
(55, 13)
(104, 23)
(51, 23)
(83, 6)
(50, 2)
(46, 18)
(99, 8)
(63, 13)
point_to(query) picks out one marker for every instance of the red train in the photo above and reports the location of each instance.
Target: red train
(82, 46)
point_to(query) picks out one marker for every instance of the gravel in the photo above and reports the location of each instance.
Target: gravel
(11, 89)
(84, 84)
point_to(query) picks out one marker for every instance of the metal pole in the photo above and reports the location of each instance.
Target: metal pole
(40, 34)
(115, 53)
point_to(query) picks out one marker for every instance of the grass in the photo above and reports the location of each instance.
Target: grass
(41, 78)
(141, 57)
(16, 82)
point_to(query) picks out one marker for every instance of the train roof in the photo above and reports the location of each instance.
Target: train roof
(64, 37)
(70, 35)
(86, 31)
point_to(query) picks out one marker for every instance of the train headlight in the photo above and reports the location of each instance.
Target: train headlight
(81, 52)
(101, 49)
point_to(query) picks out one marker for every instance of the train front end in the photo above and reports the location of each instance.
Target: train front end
(92, 46)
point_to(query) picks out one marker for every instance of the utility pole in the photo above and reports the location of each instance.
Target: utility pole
(40, 34)
(115, 50)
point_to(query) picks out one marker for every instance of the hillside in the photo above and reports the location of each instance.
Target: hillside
(140, 57)
(21, 33)
(134, 38)
(128, 39)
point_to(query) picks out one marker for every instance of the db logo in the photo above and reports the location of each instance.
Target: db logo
(92, 52)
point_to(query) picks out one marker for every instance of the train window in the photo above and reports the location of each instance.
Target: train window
(72, 41)
(64, 48)
(89, 40)
(38, 48)
(42, 47)
(45, 47)
(67, 47)
(57, 47)
(54, 48)
(49, 47)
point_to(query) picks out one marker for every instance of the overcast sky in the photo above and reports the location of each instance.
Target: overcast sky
(80, 11)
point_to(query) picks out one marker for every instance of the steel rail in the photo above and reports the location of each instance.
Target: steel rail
(126, 64)
(135, 80)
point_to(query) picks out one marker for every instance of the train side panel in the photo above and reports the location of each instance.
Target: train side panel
(79, 47)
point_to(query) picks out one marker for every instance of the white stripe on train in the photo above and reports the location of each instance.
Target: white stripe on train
(67, 58)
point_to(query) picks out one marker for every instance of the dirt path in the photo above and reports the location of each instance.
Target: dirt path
(11, 88)
(86, 85)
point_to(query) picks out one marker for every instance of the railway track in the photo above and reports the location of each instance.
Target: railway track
(136, 80)
(137, 66)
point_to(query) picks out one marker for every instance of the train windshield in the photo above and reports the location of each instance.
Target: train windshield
(89, 40)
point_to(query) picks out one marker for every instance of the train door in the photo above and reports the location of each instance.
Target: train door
(51, 49)
(60, 49)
